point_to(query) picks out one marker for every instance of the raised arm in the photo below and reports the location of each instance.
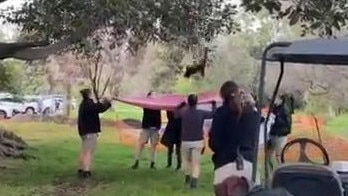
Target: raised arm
(177, 111)
(98, 107)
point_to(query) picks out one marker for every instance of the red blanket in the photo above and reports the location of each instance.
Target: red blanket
(165, 101)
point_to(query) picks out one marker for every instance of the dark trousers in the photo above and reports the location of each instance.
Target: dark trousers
(177, 152)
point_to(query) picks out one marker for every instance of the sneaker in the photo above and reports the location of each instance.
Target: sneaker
(178, 167)
(86, 174)
(193, 183)
(135, 165)
(80, 172)
(187, 180)
(152, 165)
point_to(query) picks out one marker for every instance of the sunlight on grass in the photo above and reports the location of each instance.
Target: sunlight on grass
(56, 147)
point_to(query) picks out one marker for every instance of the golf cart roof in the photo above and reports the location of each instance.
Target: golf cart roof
(312, 51)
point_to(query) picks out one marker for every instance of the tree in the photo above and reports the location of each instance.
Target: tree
(321, 17)
(65, 70)
(177, 21)
(10, 72)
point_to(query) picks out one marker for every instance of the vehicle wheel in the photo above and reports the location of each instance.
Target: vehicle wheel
(29, 111)
(3, 114)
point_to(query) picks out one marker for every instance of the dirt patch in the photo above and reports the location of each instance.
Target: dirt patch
(305, 126)
(71, 189)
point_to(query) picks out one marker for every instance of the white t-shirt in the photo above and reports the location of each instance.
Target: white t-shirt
(262, 128)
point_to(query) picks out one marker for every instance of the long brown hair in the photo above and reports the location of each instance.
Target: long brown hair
(229, 92)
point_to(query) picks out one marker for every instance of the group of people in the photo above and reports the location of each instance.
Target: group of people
(231, 137)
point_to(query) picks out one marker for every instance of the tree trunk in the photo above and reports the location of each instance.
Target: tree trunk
(11, 145)
(68, 89)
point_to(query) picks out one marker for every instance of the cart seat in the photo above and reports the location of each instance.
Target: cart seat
(303, 179)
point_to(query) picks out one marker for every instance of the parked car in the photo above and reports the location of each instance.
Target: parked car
(20, 105)
(6, 112)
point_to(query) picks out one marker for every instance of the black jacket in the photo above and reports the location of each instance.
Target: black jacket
(172, 133)
(228, 133)
(88, 116)
(282, 122)
(151, 118)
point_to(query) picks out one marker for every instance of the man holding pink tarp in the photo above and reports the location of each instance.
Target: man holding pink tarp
(151, 124)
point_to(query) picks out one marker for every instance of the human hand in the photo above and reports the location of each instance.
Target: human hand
(182, 104)
(107, 99)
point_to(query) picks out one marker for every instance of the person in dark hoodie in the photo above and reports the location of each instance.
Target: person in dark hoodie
(172, 138)
(281, 128)
(232, 137)
(89, 127)
(151, 124)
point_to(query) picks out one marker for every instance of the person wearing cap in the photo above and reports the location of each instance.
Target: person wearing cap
(88, 124)
(192, 137)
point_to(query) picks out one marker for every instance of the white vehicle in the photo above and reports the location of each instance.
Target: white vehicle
(20, 105)
(31, 106)
(6, 112)
(15, 103)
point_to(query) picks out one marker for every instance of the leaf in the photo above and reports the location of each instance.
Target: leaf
(315, 25)
(294, 17)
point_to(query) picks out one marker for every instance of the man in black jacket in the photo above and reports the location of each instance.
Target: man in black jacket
(281, 127)
(88, 128)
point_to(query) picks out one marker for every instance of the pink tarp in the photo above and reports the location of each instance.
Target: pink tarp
(165, 101)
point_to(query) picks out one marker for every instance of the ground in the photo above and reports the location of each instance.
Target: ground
(53, 172)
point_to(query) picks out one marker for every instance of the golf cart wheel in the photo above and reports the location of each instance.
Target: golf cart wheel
(29, 111)
(303, 143)
(3, 114)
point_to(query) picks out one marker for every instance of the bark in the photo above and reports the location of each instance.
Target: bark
(31, 51)
(11, 145)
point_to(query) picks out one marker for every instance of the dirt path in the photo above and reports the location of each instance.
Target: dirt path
(304, 126)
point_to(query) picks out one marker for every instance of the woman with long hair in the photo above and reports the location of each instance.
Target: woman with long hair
(233, 139)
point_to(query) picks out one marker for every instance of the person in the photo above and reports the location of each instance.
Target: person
(151, 124)
(232, 139)
(172, 138)
(281, 127)
(88, 128)
(192, 140)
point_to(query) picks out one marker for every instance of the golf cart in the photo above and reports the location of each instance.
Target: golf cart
(305, 178)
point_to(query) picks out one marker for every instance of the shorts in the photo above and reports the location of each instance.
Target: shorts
(277, 143)
(192, 151)
(89, 141)
(149, 134)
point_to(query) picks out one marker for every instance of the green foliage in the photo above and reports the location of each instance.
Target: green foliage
(176, 21)
(322, 17)
(33, 78)
(165, 72)
(184, 86)
(11, 76)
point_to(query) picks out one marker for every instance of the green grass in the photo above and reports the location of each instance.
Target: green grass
(338, 126)
(53, 172)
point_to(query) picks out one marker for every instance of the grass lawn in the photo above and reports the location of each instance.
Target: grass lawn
(53, 172)
(338, 126)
